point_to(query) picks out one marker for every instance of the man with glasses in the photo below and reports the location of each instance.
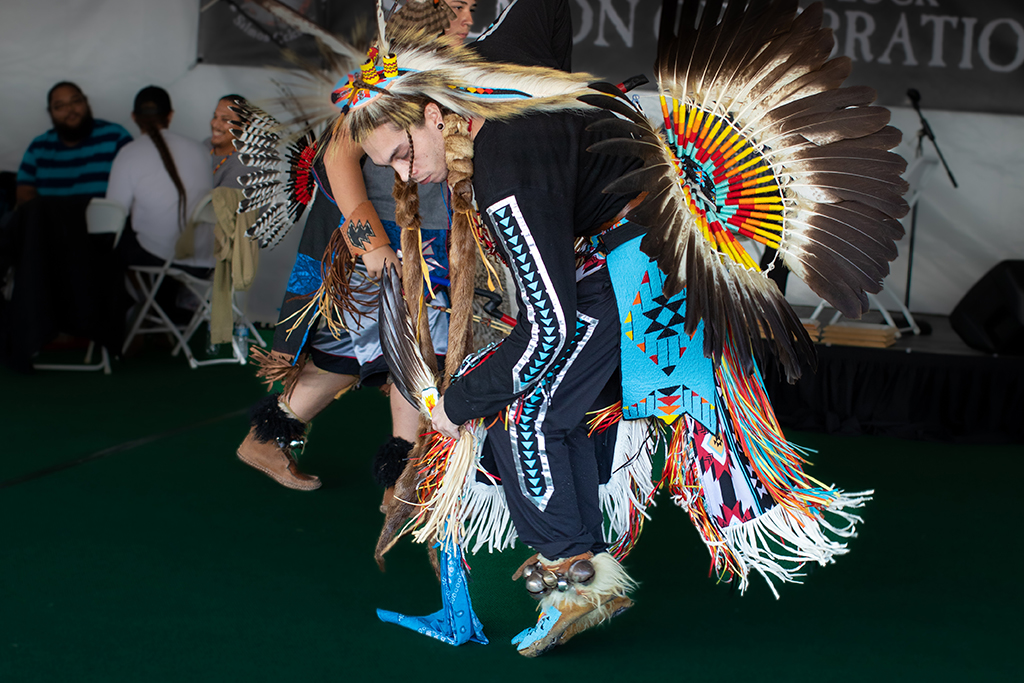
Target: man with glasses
(73, 158)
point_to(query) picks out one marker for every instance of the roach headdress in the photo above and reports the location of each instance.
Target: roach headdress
(390, 87)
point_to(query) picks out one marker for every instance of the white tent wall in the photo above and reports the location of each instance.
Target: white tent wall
(112, 48)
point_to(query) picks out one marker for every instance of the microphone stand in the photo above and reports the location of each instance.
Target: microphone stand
(922, 133)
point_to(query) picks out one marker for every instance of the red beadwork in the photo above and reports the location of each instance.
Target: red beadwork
(302, 170)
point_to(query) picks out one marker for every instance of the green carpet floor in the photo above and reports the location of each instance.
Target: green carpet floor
(136, 548)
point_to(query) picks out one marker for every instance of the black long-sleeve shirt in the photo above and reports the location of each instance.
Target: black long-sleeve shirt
(538, 189)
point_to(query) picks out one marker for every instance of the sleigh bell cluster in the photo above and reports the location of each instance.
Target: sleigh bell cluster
(541, 580)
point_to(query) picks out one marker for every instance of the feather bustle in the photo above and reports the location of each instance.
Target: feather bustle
(765, 68)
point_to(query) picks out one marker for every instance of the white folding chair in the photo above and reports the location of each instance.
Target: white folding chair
(102, 217)
(151, 318)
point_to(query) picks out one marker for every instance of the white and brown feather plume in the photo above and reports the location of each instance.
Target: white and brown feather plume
(281, 183)
(409, 371)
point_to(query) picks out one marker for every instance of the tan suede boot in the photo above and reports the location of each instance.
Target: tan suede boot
(275, 462)
(575, 594)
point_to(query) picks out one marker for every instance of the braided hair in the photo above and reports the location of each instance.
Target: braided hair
(152, 113)
(458, 155)
(458, 147)
(407, 215)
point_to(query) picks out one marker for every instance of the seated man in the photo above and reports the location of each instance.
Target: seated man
(73, 157)
(44, 243)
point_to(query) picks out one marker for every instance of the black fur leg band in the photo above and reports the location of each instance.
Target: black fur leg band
(389, 461)
(270, 423)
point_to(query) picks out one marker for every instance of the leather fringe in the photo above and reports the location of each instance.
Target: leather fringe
(274, 366)
(337, 293)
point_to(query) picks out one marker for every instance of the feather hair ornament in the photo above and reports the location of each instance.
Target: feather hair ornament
(410, 61)
(759, 142)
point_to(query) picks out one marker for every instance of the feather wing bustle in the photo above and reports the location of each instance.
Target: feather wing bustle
(758, 73)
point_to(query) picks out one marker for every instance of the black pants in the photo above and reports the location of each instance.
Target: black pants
(554, 504)
(66, 280)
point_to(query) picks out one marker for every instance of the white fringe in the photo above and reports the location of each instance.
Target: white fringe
(486, 519)
(631, 474)
(803, 536)
(484, 513)
(444, 509)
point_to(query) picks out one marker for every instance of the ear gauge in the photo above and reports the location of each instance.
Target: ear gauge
(440, 126)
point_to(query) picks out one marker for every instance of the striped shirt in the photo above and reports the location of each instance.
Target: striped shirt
(55, 169)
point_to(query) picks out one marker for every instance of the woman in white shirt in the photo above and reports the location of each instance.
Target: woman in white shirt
(159, 178)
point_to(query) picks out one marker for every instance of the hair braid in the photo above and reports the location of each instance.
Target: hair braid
(150, 124)
(458, 154)
(407, 215)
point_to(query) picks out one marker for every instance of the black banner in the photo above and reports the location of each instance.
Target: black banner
(239, 32)
(959, 54)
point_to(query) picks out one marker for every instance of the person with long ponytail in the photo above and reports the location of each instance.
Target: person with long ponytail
(159, 178)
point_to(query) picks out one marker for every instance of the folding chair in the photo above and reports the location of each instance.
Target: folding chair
(151, 318)
(102, 217)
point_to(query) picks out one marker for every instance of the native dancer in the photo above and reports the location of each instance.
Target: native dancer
(646, 282)
(326, 341)
(346, 242)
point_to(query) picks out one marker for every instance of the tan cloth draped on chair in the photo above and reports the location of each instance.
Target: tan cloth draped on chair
(237, 257)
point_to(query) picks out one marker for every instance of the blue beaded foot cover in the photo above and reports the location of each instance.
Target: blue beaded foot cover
(541, 629)
(456, 622)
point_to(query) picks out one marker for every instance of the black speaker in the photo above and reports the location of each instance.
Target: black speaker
(990, 317)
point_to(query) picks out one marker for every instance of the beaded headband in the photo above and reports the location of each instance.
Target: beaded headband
(368, 83)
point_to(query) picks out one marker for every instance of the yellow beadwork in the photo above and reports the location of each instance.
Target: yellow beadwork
(390, 66)
(368, 73)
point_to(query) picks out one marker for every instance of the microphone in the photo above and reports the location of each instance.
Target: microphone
(926, 130)
(915, 101)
